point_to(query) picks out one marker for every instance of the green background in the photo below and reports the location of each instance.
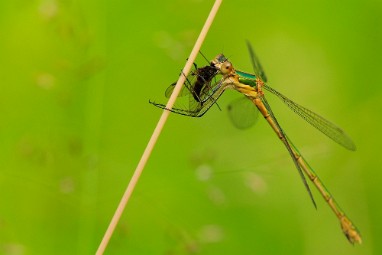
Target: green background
(75, 80)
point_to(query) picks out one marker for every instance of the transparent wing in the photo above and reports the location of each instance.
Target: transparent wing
(242, 113)
(187, 86)
(184, 91)
(328, 128)
(288, 144)
(197, 108)
(259, 71)
(200, 91)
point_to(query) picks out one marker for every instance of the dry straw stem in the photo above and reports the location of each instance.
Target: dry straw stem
(157, 130)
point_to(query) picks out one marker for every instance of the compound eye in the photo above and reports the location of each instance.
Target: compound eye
(226, 68)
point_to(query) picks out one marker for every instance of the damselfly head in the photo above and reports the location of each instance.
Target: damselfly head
(222, 64)
(219, 59)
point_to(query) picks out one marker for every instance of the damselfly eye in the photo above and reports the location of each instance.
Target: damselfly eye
(226, 67)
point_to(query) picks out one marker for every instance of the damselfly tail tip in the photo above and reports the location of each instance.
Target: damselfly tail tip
(350, 231)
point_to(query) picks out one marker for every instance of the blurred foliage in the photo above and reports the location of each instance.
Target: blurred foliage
(76, 77)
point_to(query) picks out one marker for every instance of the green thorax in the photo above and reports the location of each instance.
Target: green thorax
(247, 78)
